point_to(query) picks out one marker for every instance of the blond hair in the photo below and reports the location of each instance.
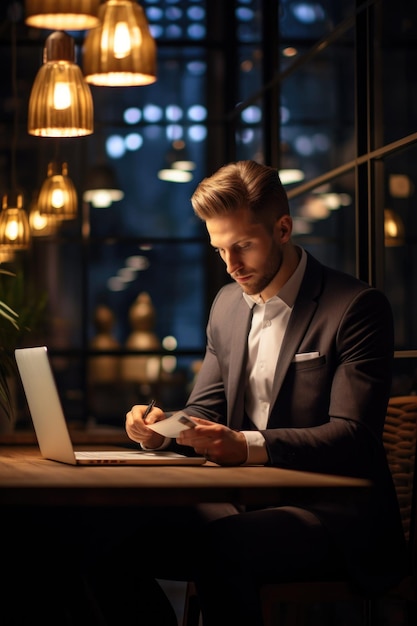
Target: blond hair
(242, 185)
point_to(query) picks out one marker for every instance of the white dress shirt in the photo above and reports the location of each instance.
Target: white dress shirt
(269, 323)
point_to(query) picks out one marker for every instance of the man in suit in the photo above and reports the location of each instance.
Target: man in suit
(297, 374)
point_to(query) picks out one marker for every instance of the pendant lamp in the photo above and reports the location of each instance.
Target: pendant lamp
(121, 52)
(41, 224)
(180, 158)
(14, 223)
(173, 175)
(180, 166)
(290, 171)
(57, 196)
(62, 14)
(6, 254)
(101, 187)
(60, 103)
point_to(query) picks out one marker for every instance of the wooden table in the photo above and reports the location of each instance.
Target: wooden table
(27, 479)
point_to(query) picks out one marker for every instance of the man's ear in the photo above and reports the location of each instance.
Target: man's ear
(283, 228)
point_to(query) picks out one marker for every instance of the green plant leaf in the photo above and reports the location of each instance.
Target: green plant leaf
(21, 312)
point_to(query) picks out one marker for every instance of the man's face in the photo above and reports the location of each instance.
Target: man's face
(252, 255)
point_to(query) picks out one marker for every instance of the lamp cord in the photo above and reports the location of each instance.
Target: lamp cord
(15, 108)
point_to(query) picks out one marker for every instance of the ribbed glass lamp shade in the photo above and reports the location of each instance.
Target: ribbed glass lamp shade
(57, 196)
(101, 188)
(62, 14)
(6, 254)
(41, 224)
(14, 224)
(60, 103)
(121, 52)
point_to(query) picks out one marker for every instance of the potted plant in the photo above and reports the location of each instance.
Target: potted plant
(20, 313)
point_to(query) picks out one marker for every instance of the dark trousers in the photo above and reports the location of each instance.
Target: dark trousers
(229, 552)
(240, 552)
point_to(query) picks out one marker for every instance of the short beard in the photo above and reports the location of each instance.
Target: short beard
(272, 266)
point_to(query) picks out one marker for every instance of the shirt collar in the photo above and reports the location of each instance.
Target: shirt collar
(288, 292)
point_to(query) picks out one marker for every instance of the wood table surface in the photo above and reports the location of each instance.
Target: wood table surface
(27, 479)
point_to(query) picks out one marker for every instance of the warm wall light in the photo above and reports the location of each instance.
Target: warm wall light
(101, 187)
(14, 223)
(62, 14)
(121, 52)
(393, 229)
(60, 103)
(57, 196)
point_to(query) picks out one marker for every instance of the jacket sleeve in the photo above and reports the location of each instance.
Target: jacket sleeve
(348, 439)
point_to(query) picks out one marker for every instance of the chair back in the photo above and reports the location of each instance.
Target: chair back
(400, 441)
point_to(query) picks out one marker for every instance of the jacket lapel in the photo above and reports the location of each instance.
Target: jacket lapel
(238, 351)
(304, 309)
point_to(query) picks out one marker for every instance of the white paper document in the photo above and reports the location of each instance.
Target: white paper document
(173, 425)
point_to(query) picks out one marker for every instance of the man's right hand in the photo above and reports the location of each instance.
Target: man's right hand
(137, 429)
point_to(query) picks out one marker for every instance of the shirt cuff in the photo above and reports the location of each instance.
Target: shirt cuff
(256, 445)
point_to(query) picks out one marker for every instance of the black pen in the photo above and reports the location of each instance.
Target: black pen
(148, 409)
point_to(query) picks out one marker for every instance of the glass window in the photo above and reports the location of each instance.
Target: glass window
(300, 20)
(396, 70)
(317, 111)
(400, 259)
(149, 241)
(324, 223)
(171, 273)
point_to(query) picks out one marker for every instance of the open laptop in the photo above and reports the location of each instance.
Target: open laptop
(51, 427)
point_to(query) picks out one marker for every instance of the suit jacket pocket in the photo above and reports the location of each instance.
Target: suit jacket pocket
(308, 363)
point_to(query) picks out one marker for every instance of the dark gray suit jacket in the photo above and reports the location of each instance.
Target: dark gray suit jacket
(327, 413)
